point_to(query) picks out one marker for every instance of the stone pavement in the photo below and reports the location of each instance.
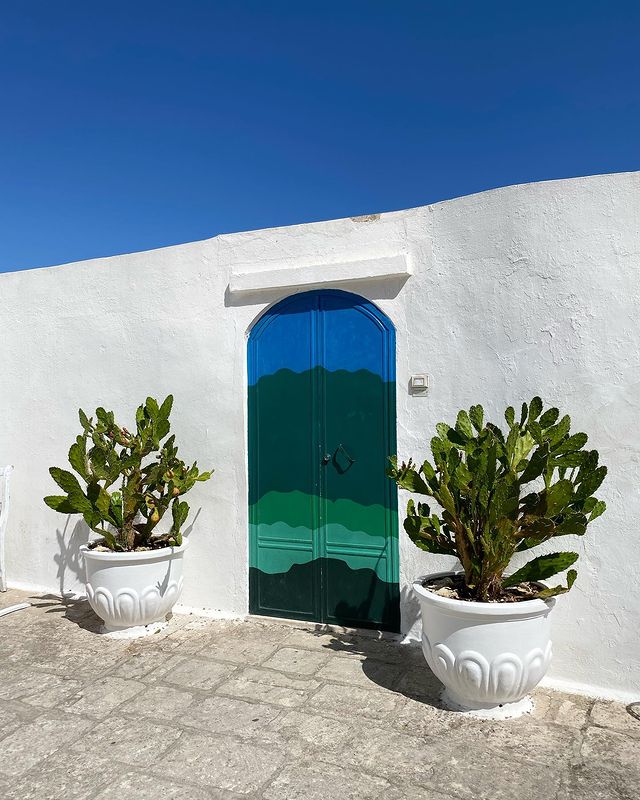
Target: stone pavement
(210, 709)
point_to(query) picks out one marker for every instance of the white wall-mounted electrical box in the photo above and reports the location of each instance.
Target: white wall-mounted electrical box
(419, 384)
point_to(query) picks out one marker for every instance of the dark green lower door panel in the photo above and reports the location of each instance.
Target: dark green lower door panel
(323, 516)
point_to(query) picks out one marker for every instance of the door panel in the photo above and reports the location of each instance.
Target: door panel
(321, 424)
(357, 394)
(284, 473)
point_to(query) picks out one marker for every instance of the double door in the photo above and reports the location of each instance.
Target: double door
(323, 514)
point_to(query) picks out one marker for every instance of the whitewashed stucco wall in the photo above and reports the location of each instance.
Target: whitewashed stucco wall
(526, 290)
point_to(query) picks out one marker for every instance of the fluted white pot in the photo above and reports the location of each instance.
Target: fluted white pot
(133, 592)
(489, 656)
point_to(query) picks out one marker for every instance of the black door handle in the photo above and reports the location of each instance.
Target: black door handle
(327, 458)
(339, 457)
(346, 455)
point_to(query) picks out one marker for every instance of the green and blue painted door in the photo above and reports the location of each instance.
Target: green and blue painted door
(323, 514)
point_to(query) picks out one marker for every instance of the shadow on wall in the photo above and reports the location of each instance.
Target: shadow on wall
(68, 559)
(409, 608)
(188, 530)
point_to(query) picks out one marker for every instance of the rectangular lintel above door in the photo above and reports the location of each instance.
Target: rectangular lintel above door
(246, 281)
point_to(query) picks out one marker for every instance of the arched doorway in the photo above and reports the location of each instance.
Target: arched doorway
(322, 422)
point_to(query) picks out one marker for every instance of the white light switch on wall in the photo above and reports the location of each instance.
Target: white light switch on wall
(419, 384)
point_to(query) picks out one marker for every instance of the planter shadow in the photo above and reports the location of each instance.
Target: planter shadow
(76, 610)
(387, 663)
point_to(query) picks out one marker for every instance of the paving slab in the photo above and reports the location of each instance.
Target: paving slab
(422, 718)
(99, 698)
(366, 673)
(159, 702)
(238, 651)
(260, 710)
(612, 749)
(12, 596)
(346, 701)
(371, 645)
(63, 776)
(481, 775)
(34, 686)
(313, 781)
(137, 786)
(592, 782)
(524, 740)
(384, 752)
(297, 661)
(192, 672)
(140, 663)
(38, 739)
(562, 709)
(229, 715)
(64, 657)
(54, 691)
(221, 762)
(13, 715)
(617, 717)
(270, 687)
(138, 743)
(408, 792)
(313, 732)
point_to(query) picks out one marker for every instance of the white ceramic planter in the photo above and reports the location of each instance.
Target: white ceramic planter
(487, 655)
(133, 592)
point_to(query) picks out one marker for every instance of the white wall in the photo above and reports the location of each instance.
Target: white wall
(525, 290)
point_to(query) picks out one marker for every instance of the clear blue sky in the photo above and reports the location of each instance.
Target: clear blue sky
(131, 125)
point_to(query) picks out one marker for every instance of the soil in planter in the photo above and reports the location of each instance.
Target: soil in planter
(454, 587)
(152, 544)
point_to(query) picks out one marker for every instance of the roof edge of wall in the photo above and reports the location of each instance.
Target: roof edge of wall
(368, 218)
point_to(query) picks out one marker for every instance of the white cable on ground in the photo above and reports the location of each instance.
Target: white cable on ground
(17, 607)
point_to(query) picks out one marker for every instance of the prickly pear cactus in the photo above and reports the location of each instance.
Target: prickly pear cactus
(499, 493)
(125, 495)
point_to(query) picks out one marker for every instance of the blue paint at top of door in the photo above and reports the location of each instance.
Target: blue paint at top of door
(293, 344)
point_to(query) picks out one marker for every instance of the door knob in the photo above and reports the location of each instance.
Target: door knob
(326, 458)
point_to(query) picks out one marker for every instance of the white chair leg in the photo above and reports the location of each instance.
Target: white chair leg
(5, 474)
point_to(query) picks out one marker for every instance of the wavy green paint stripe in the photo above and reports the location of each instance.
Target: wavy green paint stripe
(335, 535)
(296, 509)
(283, 422)
(355, 596)
(281, 561)
(278, 546)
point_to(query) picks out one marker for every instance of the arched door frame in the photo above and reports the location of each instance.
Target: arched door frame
(382, 321)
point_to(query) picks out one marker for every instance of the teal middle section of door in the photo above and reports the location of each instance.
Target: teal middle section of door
(323, 514)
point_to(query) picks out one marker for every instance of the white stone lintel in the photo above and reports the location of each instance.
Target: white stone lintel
(337, 273)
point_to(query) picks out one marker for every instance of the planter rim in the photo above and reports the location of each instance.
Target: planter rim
(142, 555)
(518, 610)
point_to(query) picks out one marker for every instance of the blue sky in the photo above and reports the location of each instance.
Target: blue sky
(131, 125)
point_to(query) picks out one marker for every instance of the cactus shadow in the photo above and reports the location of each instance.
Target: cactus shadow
(402, 670)
(187, 531)
(410, 609)
(71, 607)
(68, 560)
(386, 661)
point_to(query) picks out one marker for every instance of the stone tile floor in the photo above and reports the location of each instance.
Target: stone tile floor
(210, 709)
